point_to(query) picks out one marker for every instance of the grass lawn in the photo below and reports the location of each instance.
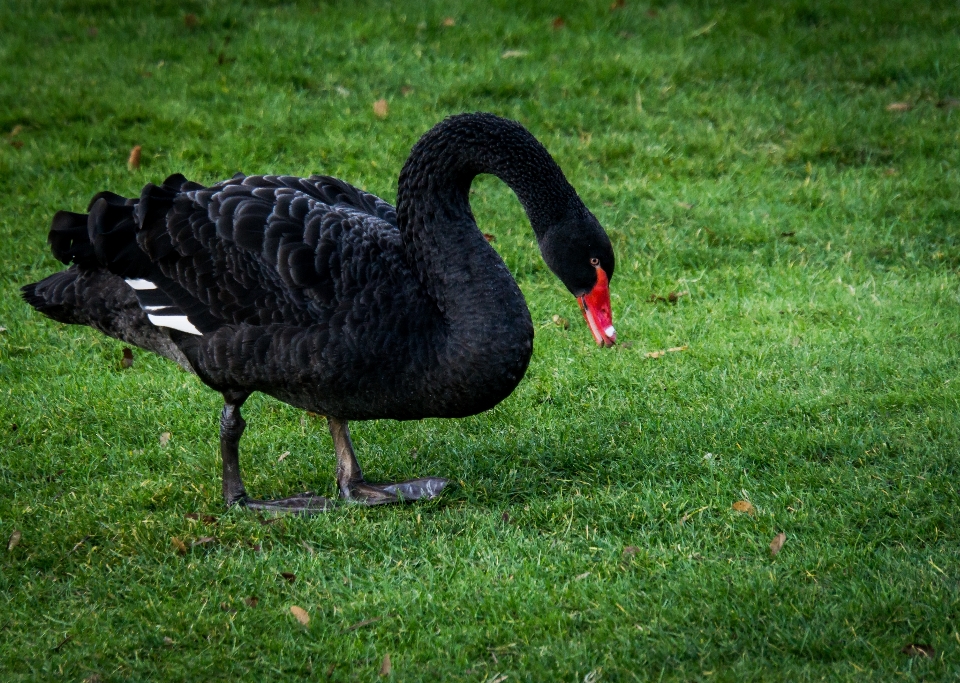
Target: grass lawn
(742, 154)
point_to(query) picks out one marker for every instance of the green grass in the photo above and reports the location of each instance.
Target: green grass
(740, 152)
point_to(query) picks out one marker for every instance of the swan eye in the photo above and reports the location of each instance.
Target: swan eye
(594, 261)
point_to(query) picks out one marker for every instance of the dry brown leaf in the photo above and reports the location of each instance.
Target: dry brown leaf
(385, 667)
(127, 360)
(558, 23)
(449, 21)
(899, 106)
(251, 601)
(190, 20)
(918, 650)
(505, 517)
(16, 131)
(490, 238)
(203, 540)
(745, 506)
(14, 540)
(381, 109)
(283, 456)
(674, 349)
(165, 438)
(289, 576)
(179, 545)
(133, 161)
(512, 54)
(777, 543)
(17, 144)
(300, 614)
(655, 354)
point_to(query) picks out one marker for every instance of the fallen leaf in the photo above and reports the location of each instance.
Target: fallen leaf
(283, 456)
(203, 540)
(16, 131)
(17, 144)
(165, 438)
(675, 349)
(300, 614)
(381, 109)
(561, 322)
(505, 517)
(579, 577)
(133, 161)
(777, 543)
(385, 666)
(511, 54)
(449, 21)
(918, 650)
(289, 576)
(490, 238)
(251, 601)
(14, 540)
(655, 354)
(192, 515)
(127, 360)
(179, 545)
(899, 106)
(190, 20)
(630, 551)
(558, 23)
(361, 624)
(209, 519)
(673, 297)
(167, 640)
(617, 4)
(745, 506)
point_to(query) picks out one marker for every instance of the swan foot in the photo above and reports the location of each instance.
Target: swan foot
(365, 493)
(302, 504)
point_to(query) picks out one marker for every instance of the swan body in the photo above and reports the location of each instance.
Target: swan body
(326, 297)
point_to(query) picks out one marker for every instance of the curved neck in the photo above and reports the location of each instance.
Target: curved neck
(452, 259)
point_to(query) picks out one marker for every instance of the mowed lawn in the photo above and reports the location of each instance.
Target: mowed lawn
(789, 171)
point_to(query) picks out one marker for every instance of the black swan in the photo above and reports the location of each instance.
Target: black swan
(326, 297)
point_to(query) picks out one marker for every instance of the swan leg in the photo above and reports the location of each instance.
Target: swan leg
(232, 425)
(355, 488)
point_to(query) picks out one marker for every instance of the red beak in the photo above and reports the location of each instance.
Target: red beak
(596, 311)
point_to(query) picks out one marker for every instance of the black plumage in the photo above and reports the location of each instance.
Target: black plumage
(326, 297)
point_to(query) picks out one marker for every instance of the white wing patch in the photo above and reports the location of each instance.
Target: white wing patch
(175, 322)
(141, 284)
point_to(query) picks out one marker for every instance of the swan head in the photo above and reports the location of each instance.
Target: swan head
(579, 252)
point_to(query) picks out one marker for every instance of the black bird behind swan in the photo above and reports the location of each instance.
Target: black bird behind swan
(329, 299)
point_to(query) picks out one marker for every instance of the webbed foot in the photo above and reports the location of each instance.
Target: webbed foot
(365, 493)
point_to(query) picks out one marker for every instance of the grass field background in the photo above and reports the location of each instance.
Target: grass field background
(744, 153)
